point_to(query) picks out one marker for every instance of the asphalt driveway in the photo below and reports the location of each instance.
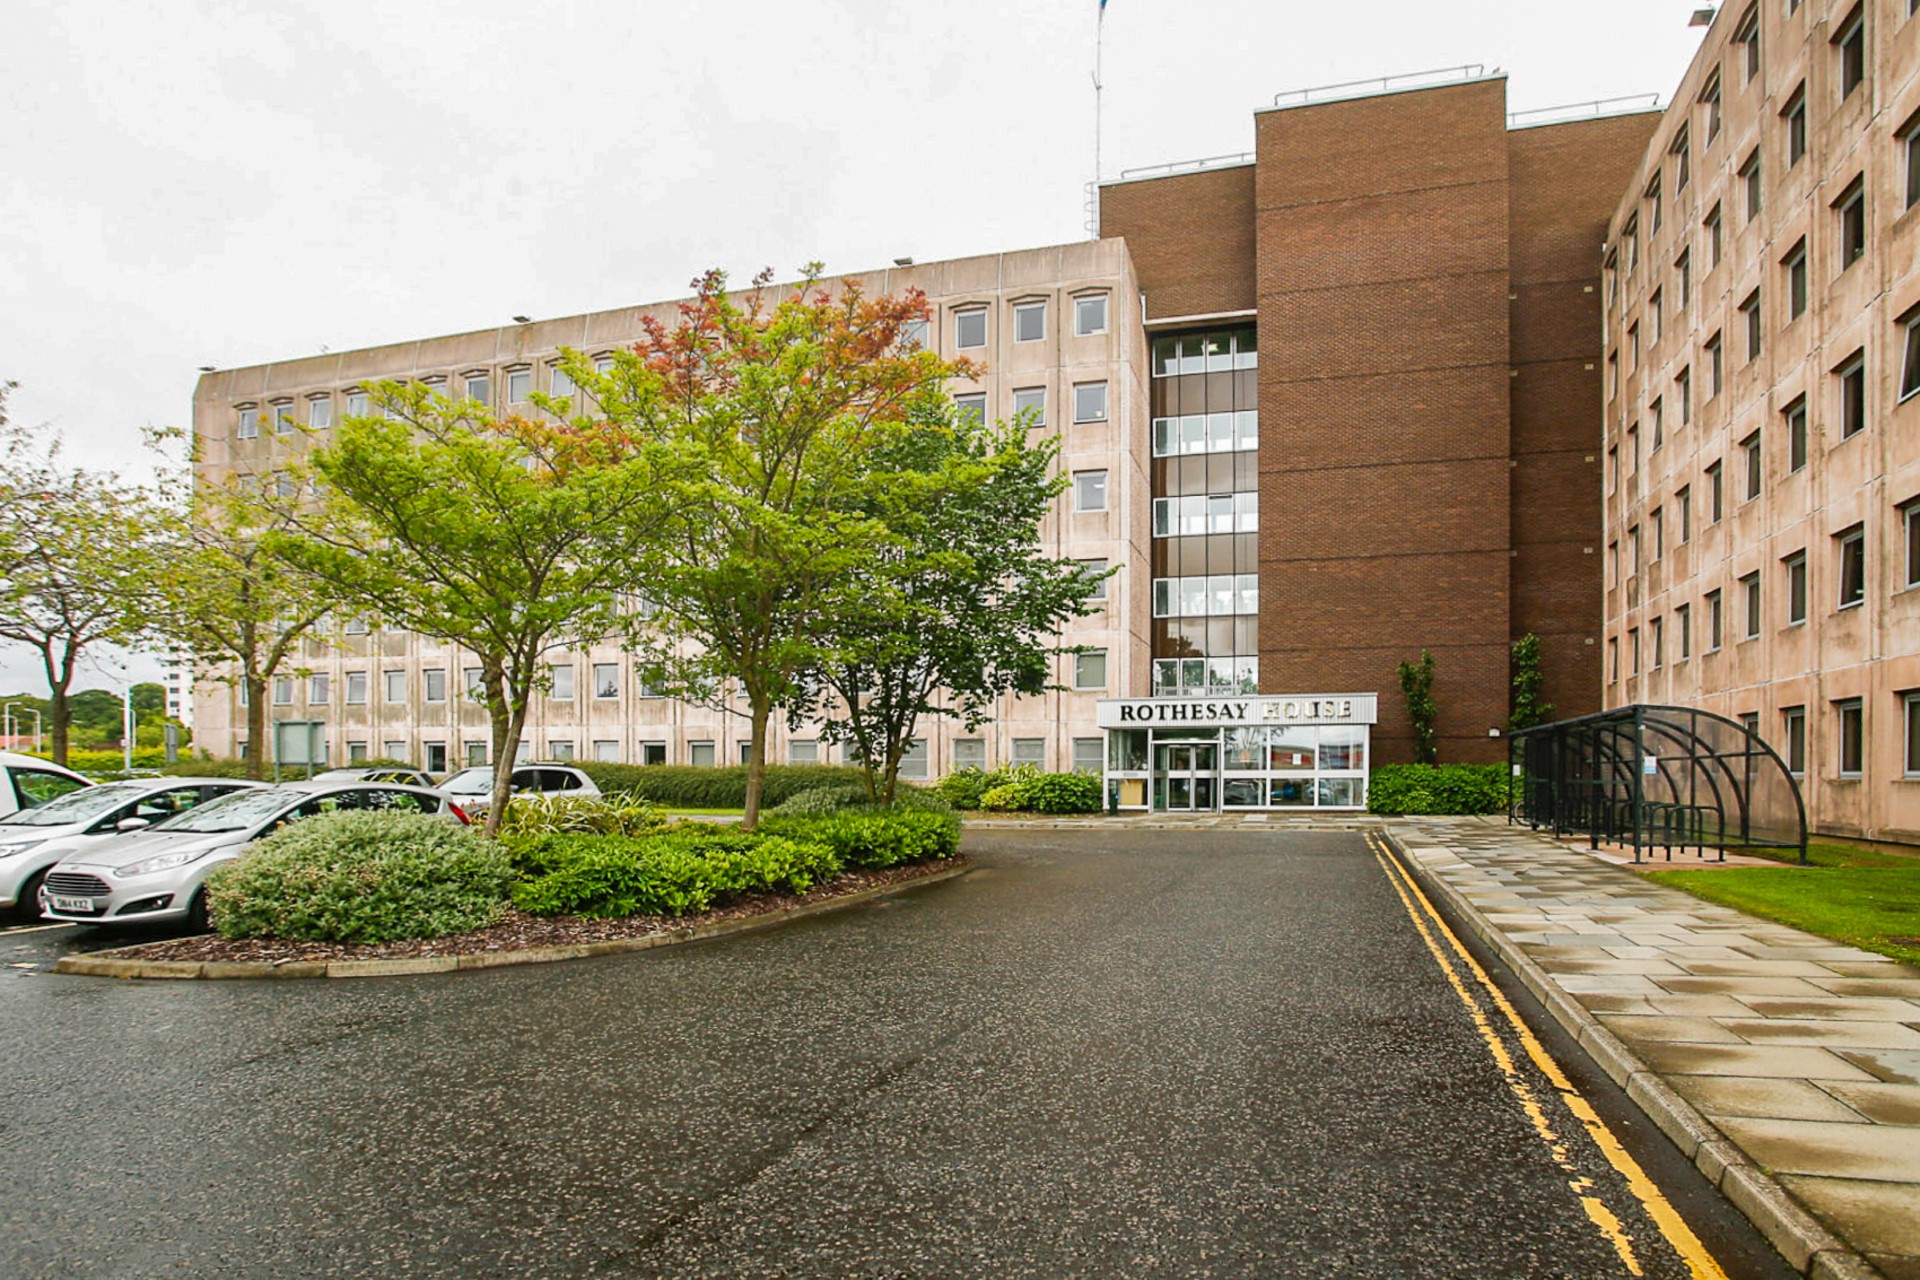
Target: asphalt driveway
(1103, 1053)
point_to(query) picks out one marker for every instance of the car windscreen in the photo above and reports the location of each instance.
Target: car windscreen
(233, 812)
(83, 805)
(470, 782)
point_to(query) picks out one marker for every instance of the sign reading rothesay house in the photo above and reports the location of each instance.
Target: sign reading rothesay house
(1296, 751)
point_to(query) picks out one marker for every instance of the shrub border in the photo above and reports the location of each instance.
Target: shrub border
(116, 964)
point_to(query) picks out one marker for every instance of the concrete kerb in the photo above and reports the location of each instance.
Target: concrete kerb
(1796, 1233)
(108, 964)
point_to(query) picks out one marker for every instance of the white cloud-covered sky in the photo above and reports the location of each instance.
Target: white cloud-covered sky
(225, 182)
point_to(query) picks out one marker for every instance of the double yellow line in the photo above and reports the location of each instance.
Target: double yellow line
(1434, 931)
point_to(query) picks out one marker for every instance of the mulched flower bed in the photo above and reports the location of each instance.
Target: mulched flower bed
(518, 931)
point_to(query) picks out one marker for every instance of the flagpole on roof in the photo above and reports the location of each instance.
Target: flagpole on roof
(1099, 47)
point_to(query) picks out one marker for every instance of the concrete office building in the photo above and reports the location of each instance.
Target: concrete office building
(1326, 404)
(1762, 444)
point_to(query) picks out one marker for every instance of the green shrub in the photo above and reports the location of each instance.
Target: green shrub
(821, 800)
(694, 787)
(1003, 799)
(873, 838)
(207, 767)
(678, 872)
(107, 761)
(963, 788)
(541, 813)
(362, 877)
(1023, 788)
(1438, 789)
(1062, 793)
(922, 798)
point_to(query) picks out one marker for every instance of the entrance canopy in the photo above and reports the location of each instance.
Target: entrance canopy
(1656, 777)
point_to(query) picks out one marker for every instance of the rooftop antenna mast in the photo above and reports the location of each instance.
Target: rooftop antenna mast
(1093, 188)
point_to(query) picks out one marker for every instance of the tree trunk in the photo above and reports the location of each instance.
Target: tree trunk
(760, 708)
(59, 680)
(258, 747)
(508, 715)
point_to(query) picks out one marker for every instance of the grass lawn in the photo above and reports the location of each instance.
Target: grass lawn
(1866, 899)
(696, 812)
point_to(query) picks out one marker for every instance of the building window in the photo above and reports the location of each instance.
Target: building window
(560, 682)
(913, 761)
(1659, 642)
(1613, 375)
(357, 404)
(1750, 593)
(1657, 412)
(560, 382)
(283, 691)
(1910, 359)
(1096, 571)
(700, 754)
(1795, 118)
(1090, 670)
(1090, 491)
(1910, 145)
(1685, 498)
(1090, 315)
(1796, 565)
(1851, 47)
(1716, 621)
(1716, 493)
(560, 748)
(394, 686)
(1658, 519)
(606, 750)
(1683, 274)
(971, 408)
(519, 385)
(320, 413)
(969, 753)
(1796, 416)
(1912, 763)
(436, 682)
(1683, 623)
(476, 754)
(1852, 725)
(1853, 395)
(1712, 223)
(1632, 233)
(1031, 401)
(1653, 317)
(1683, 388)
(1793, 725)
(356, 686)
(1031, 751)
(1716, 366)
(1633, 346)
(480, 388)
(653, 753)
(1029, 321)
(1633, 450)
(1851, 209)
(1750, 453)
(1851, 544)
(1633, 651)
(803, 751)
(1090, 402)
(1088, 755)
(1682, 164)
(970, 328)
(606, 680)
(1747, 36)
(319, 690)
(1750, 178)
(473, 681)
(249, 427)
(1796, 266)
(1613, 659)
(283, 423)
(356, 753)
(1710, 102)
(913, 335)
(1911, 514)
(1750, 311)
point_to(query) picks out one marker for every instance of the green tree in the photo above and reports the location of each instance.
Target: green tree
(961, 606)
(81, 553)
(775, 416)
(1416, 685)
(1528, 708)
(507, 536)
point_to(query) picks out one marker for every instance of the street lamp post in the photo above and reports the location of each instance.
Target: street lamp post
(6, 722)
(126, 730)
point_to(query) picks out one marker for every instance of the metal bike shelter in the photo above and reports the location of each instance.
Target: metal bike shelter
(1652, 777)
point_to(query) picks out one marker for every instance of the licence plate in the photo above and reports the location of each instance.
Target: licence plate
(82, 906)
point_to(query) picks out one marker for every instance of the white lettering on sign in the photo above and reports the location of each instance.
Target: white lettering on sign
(1332, 709)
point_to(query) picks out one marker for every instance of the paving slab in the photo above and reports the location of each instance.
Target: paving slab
(1786, 1063)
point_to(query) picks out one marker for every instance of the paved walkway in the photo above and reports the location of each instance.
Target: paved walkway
(1774, 1058)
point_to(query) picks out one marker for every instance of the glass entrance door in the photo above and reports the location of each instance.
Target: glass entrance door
(1186, 776)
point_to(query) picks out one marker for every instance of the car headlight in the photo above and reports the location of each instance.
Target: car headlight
(21, 846)
(160, 862)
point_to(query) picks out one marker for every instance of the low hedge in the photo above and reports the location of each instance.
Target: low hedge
(695, 787)
(676, 873)
(358, 876)
(1438, 789)
(106, 761)
(874, 838)
(1022, 788)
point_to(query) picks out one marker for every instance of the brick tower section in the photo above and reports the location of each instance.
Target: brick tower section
(1382, 279)
(1560, 178)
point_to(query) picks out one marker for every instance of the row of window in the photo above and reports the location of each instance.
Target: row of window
(1849, 721)
(1029, 322)
(968, 753)
(1206, 513)
(1205, 677)
(1219, 595)
(1089, 404)
(1206, 433)
(1205, 353)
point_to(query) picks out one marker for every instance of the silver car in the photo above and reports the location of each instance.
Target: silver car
(160, 874)
(32, 840)
(472, 789)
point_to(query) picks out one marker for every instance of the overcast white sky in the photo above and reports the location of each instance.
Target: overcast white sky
(189, 182)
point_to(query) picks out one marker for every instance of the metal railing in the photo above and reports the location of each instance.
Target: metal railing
(1186, 166)
(1584, 110)
(1381, 84)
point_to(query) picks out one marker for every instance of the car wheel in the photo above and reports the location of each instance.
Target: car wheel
(197, 913)
(27, 909)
